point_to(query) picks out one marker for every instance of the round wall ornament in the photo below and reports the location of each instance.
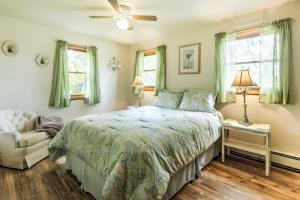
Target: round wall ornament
(42, 60)
(9, 48)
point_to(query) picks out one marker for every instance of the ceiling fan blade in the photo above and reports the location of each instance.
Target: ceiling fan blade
(101, 17)
(144, 17)
(115, 5)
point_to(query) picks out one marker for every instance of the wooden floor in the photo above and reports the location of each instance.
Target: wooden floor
(238, 179)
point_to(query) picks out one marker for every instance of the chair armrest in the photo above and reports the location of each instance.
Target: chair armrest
(9, 141)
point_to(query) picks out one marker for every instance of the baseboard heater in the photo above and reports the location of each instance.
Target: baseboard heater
(279, 159)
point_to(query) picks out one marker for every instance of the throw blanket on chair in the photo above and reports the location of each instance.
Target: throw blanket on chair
(49, 124)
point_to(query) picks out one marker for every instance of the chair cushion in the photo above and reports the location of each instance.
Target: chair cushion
(17, 120)
(31, 138)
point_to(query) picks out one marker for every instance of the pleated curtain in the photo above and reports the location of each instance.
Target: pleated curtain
(160, 79)
(279, 73)
(59, 96)
(138, 69)
(92, 95)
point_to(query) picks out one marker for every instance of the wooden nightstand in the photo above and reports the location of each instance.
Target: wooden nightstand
(257, 129)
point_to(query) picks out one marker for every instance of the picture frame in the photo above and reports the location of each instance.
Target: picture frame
(189, 59)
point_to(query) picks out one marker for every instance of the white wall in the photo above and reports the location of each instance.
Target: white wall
(24, 85)
(285, 119)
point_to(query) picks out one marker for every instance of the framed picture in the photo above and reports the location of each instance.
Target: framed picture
(189, 59)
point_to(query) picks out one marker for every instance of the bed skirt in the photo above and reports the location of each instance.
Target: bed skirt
(92, 182)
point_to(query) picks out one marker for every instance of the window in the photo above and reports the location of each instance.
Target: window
(149, 72)
(250, 50)
(77, 64)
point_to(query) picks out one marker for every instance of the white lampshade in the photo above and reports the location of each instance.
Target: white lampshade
(138, 81)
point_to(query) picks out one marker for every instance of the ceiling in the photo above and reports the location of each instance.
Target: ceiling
(173, 15)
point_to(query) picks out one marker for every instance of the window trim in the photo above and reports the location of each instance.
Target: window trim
(75, 97)
(250, 91)
(74, 47)
(248, 33)
(149, 88)
(149, 52)
(245, 34)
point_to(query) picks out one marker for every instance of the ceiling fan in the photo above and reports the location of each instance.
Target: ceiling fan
(124, 17)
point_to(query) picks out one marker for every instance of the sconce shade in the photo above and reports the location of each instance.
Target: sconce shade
(243, 79)
(138, 81)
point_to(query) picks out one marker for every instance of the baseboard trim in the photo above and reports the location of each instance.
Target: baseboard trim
(285, 155)
(245, 155)
(285, 167)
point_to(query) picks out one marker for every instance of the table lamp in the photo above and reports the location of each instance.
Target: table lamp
(138, 83)
(243, 80)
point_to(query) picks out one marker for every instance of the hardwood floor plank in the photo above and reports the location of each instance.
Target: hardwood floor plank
(249, 180)
(282, 185)
(223, 188)
(237, 178)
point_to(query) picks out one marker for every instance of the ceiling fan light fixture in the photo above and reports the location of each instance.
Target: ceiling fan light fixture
(123, 23)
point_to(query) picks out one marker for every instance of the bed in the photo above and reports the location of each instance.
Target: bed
(143, 153)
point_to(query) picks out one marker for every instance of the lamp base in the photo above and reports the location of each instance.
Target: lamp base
(245, 123)
(140, 104)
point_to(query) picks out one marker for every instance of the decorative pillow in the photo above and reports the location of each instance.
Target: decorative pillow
(16, 120)
(198, 100)
(168, 100)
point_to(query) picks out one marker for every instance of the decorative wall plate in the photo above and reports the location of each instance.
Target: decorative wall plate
(9, 48)
(42, 60)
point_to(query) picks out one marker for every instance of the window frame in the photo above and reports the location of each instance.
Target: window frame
(245, 34)
(75, 97)
(149, 52)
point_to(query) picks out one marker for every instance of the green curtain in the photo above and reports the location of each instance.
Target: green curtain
(59, 96)
(279, 74)
(138, 69)
(160, 79)
(222, 71)
(92, 95)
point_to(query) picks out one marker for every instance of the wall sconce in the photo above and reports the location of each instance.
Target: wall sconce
(114, 64)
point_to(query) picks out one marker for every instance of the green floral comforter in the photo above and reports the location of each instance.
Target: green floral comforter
(137, 150)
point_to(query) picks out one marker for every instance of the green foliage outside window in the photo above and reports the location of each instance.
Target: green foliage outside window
(77, 62)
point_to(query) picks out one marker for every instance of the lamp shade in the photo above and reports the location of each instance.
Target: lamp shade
(243, 79)
(138, 81)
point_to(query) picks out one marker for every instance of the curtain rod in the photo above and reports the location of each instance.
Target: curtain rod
(258, 26)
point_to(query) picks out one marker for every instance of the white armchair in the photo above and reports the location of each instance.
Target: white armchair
(20, 145)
